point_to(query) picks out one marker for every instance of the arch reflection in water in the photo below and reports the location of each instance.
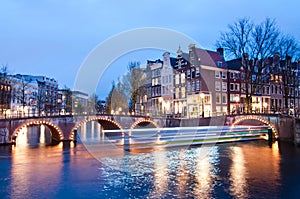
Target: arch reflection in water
(36, 164)
(90, 132)
(34, 136)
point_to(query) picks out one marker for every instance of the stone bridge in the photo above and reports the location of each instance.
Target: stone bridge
(64, 127)
(283, 127)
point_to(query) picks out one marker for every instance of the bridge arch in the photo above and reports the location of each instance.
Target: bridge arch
(106, 123)
(55, 130)
(143, 122)
(260, 119)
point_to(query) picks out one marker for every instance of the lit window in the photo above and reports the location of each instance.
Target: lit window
(197, 71)
(193, 86)
(237, 87)
(218, 86)
(217, 74)
(232, 86)
(177, 79)
(193, 72)
(218, 98)
(188, 87)
(188, 73)
(224, 86)
(183, 92)
(224, 98)
(198, 85)
(177, 93)
(224, 75)
(182, 78)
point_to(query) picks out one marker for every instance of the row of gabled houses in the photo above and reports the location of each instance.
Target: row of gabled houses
(200, 83)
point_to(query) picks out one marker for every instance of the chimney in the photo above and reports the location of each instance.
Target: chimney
(220, 51)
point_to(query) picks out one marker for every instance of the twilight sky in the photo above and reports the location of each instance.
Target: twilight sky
(53, 37)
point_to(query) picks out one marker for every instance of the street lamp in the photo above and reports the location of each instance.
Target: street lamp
(202, 102)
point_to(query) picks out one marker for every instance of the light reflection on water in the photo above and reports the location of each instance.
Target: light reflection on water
(234, 170)
(238, 171)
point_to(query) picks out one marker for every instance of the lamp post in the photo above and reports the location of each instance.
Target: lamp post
(202, 102)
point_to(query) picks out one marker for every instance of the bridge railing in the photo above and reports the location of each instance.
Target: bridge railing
(14, 117)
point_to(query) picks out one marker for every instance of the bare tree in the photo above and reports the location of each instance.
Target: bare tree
(236, 40)
(21, 86)
(40, 99)
(288, 46)
(108, 105)
(93, 104)
(252, 44)
(134, 83)
(117, 100)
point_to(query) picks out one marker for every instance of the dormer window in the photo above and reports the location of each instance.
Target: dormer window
(220, 65)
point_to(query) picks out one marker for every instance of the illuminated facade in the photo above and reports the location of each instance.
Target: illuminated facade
(179, 88)
(161, 88)
(33, 95)
(5, 96)
(206, 83)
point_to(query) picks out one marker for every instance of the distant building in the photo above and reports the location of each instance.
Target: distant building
(160, 86)
(72, 102)
(167, 82)
(33, 95)
(154, 68)
(5, 95)
(179, 88)
(206, 83)
(64, 101)
(79, 102)
(236, 101)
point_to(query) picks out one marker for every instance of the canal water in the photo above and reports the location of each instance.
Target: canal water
(37, 168)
